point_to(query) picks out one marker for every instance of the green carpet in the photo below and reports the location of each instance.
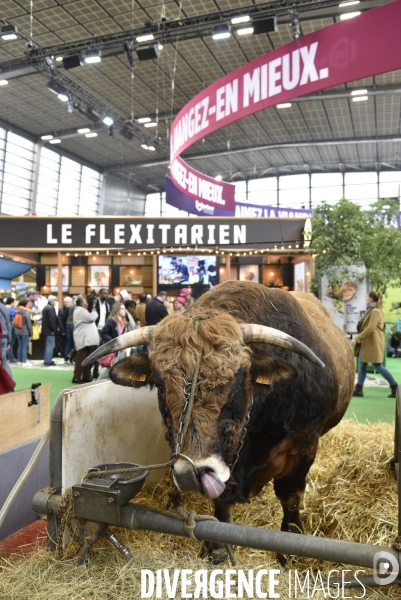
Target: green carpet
(59, 380)
(374, 406)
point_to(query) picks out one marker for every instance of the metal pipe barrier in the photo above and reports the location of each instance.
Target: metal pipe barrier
(133, 517)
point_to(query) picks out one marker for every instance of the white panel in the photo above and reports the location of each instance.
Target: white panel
(106, 423)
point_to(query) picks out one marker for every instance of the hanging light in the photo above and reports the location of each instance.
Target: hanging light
(57, 88)
(92, 56)
(9, 32)
(221, 32)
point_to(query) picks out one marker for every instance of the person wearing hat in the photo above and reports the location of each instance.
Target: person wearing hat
(179, 305)
(49, 330)
(186, 293)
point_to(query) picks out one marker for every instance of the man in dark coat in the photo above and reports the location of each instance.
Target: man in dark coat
(155, 310)
(49, 329)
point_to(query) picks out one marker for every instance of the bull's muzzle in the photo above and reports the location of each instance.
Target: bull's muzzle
(190, 478)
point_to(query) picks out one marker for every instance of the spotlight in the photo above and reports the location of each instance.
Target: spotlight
(9, 32)
(221, 32)
(350, 15)
(57, 88)
(145, 38)
(108, 121)
(219, 177)
(245, 31)
(92, 115)
(295, 25)
(127, 47)
(148, 52)
(3, 82)
(144, 146)
(92, 56)
(70, 62)
(125, 132)
(238, 20)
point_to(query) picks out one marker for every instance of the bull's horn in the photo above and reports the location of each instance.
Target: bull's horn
(268, 335)
(138, 337)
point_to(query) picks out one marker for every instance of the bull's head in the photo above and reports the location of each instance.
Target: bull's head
(218, 347)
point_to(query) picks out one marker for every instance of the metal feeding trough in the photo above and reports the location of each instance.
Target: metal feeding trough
(104, 495)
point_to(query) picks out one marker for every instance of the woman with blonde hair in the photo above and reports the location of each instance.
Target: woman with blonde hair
(370, 343)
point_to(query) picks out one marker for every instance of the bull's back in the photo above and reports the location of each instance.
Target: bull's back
(341, 355)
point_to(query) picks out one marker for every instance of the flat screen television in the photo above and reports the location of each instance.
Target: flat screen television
(188, 270)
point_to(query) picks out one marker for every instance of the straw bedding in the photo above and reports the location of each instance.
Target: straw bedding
(351, 495)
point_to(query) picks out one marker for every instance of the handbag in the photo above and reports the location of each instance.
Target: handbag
(357, 349)
(108, 360)
(35, 331)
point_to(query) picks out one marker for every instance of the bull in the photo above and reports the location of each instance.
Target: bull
(270, 373)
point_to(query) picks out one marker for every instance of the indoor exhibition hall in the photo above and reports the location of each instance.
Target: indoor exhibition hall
(200, 299)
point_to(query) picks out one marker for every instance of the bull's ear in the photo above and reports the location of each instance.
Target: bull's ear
(274, 372)
(134, 371)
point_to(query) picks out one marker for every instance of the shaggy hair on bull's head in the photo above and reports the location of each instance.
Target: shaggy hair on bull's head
(175, 349)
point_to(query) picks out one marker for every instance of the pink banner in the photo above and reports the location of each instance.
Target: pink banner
(346, 51)
(198, 186)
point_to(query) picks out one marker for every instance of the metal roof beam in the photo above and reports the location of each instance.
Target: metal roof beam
(309, 144)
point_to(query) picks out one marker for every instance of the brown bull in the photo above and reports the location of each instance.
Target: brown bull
(270, 374)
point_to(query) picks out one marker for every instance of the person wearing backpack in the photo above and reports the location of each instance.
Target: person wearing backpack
(6, 335)
(23, 331)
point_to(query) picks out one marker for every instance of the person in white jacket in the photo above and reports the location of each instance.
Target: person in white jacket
(86, 339)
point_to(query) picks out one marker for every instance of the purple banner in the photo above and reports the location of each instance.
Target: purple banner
(272, 212)
(175, 197)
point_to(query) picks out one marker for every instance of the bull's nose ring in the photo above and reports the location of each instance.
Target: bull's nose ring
(179, 455)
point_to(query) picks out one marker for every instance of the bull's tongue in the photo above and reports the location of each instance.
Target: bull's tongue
(212, 485)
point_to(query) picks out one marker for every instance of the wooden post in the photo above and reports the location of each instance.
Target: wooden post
(154, 275)
(60, 280)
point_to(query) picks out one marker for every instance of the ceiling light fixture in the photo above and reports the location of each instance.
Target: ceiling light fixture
(9, 32)
(221, 32)
(345, 4)
(359, 98)
(219, 177)
(108, 121)
(83, 130)
(350, 15)
(152, 124)
(90, 135)
(92, 56)
(151, 148)
(57, 88)
(144, 146)
(58, 58)
(46, 137)
(284, 105)
(145, 38)
(245, 31)
(359, 92)
(144, 120)
(238, 20)
(55, 141)
(3, 82)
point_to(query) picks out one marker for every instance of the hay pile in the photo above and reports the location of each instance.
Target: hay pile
(351, 495)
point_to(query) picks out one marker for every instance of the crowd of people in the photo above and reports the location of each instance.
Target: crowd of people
(78, 327)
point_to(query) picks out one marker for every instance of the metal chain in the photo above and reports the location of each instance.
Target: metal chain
(187, 393)
(242, 441)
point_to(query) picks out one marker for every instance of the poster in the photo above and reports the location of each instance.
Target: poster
(99, 277)
(346, 300)
(54, 278)
(249, 273)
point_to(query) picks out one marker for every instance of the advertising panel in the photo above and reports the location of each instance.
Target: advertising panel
(54, 278)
